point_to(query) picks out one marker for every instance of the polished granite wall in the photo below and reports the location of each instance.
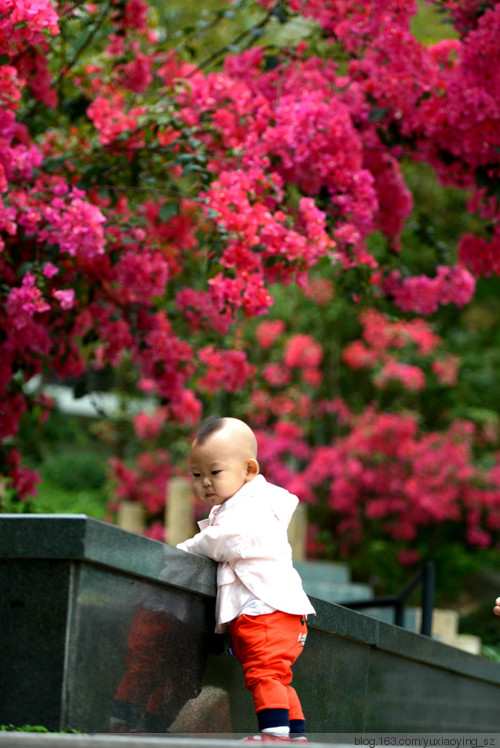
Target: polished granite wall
(103, 630)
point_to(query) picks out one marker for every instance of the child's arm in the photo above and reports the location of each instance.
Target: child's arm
(213, 543)
(231, 540)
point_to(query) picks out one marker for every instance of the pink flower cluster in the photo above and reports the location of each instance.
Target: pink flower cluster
(354, 22)
(164, 358)
(75, 225)
(291, 131)
(140, 277)
(466, 13)
(111, 119)
(268, 332)
(24, 21)
(481, 255)
(228, 371)
(395, 201)
(18, 157)
(247, 291)
(135, 15)
(185, 411)
(300, 360)
(33, 66)
(260, 241)
(24, 302)
(26, 339)
(409, 376)
(56, 215)
(146, 483)
(307, 129)
(466, 120)
(22, 478)
(423, 295)
(383, 475)
(446, 370)
(303, 352)
(384, 472)
(384, 341)
(205, 311)
(381, 333)
(282, 448)
(23, 26)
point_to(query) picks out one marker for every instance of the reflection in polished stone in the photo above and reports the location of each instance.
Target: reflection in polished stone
(165, 664)
(103, 630)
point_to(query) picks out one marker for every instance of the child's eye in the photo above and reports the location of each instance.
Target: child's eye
(196, 475)
(215, 472)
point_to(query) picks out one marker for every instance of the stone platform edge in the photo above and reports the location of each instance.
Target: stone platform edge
(215, 740)
(101, 740)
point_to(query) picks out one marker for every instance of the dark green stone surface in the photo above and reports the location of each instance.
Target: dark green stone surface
(77, 537)
(32, 640)
(74, 594)
(102, 628)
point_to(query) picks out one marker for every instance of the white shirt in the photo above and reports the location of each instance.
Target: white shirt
(247, 536)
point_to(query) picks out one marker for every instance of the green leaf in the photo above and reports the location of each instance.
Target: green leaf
(271, 62)
(377, 113)
(168, 210)
(281, 13)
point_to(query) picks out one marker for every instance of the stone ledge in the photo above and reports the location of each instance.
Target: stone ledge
(398, 641)
(71, 604)
(77, 537)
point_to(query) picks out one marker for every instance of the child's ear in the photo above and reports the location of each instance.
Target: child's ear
(252, 469)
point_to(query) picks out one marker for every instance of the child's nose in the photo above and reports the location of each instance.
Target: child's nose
(206, 480)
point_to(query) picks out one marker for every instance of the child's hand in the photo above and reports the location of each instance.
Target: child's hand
(496, 609)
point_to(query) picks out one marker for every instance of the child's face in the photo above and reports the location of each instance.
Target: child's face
(219, 470)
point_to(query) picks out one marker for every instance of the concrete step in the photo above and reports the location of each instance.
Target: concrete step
(330, 581)
(465, 642)
(411, 620)
(338, 593)
(445, 624)
(323, 571)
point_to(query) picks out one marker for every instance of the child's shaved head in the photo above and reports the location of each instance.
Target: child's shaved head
(237, 433)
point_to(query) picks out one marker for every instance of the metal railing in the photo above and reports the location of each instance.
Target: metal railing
(425, 580)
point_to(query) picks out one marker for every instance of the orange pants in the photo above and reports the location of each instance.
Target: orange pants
(266, 647)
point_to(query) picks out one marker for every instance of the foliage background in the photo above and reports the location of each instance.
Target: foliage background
(297, 408)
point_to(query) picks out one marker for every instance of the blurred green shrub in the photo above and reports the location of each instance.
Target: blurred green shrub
(75, 470)
(483, 623)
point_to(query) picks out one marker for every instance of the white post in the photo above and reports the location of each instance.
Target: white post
(179, 511)
(297, 532)
(130, 516)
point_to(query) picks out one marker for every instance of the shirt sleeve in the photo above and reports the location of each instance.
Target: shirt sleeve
(214, 543)
(235, 538)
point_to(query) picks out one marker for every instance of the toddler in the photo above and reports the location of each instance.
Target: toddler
(260, 599)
